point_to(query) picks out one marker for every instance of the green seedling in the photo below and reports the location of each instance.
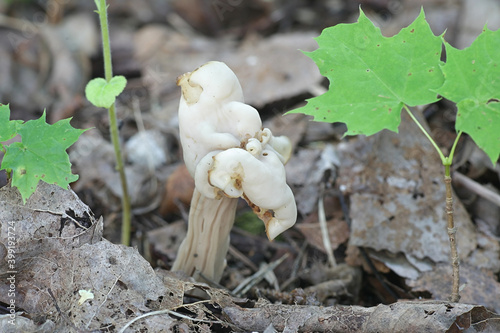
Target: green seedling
(102, 92)
(41, 153)
(373, 78)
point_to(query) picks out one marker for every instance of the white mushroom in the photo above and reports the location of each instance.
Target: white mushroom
(229, 155)
(258, 175)
(212, 114)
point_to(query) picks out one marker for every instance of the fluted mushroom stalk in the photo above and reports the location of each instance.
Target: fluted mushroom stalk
(229, 155)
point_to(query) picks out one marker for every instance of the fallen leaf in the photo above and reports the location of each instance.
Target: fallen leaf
(479, 287)
(397, 197)
(337, 230)
(178, 190)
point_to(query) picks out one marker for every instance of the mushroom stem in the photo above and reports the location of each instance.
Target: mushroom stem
(207, 241)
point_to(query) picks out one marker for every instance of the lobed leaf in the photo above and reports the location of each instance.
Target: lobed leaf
(8, 128)
(41, 155)
(472, 80)
(102, 93)
(372, 76)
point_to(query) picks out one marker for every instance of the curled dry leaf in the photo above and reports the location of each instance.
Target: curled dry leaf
(178, 190)
(337, 230)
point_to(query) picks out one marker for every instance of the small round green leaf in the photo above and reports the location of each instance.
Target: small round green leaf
(102, 93)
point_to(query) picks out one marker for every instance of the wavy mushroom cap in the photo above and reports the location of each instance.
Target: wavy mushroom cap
(213, 81)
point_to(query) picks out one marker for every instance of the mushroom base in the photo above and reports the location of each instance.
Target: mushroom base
(202, 253)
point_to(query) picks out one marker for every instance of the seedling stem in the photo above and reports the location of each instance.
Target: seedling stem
(452, 230)
(108, 72)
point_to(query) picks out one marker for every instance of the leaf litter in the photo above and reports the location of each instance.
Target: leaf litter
(120, 299)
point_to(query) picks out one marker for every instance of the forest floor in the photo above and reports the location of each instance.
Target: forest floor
(383, 195)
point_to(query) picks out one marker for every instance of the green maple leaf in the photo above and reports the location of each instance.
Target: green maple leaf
(8, 128)
(41, 155)
(473, 82)
(372, 76)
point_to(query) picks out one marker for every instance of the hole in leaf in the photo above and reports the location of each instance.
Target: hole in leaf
(418, 195)
(112, 260)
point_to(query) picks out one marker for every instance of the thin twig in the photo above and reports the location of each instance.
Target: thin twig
(324, 228)
(477, 188)
(252, 280)
(296, 266)
(243, 258)
(160, 312)
(105, 300)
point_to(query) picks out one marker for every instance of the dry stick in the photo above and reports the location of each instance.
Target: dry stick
(255, 278)
(295, 267)
(477, 188)
(173, 313)
(324, 228)
(243, 258)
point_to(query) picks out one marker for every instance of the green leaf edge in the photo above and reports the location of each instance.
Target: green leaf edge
(362, 17)
(493, 156)
(25, 195)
